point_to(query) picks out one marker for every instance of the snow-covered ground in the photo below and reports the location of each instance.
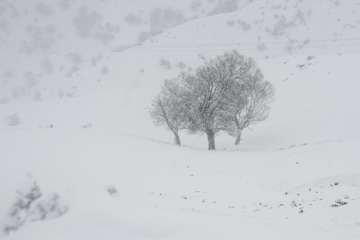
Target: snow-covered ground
(116, 182)
(105, 171)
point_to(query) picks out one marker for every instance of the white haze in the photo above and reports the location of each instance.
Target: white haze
(76, 83)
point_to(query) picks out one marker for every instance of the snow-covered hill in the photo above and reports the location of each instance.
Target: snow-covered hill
(59, 49)
(74, 123)
(47, 46)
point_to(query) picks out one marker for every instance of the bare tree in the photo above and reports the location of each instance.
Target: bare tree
(248, 101)
(228, 93)
(207, 90)
(169, 109)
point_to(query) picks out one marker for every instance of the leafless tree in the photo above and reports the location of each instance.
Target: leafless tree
(208, 89)
(170, 109)
(227, 93)
(248, 101)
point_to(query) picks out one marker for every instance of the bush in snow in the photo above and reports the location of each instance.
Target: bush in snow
(31, 80)
(29, 207)
(13, 120)
(95, 59)
(42, 38)
(67, 93)
(85, 22)
(47, 66)
(4, 100)
(112, 191)
(244, 25)
(133, 19)
(161, 19)
(88, 125)
(230, 23)
(195, 5)
(104, 70)
(19, 210)
(143, 36)
(75, 58)
(225, 6)
(18, 92)
(64, 4)
(181, 65)
(165, 64)
(106, 33)
(43, 9)
(36, 96)
(47, 209)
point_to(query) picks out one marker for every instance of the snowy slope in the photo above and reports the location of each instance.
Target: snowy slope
(63, 49)
(163, 190)
(295, 176)
(46, 46)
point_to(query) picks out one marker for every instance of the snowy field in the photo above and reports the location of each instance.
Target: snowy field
(95, 166)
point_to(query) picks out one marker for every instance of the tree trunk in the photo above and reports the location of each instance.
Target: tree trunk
(211, 139)
(238, 137)
(177, 139)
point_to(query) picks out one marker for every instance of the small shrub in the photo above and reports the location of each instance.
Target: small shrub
(4, 100)
(29, 206)
(339, 203)
(244, 25)
(74, 69)
(75, 58)
(133, 19)
(165, 64)
(310, 57)
(143, 36)
(95, 59)
(47, 66)
(88, 125)
(43, 9)
(301, 65)
(261, 47)
(195, 5)
(161, 19)
(106, 33)
(104, 70)
(181, 65)
(47, 209)
(42, 38)
(31, 80)
(64, 4)
(47, 126)
(18, 92)
(37, 96)
(86, 21)
(230, 23)
(67, 93)
(18, 212)
(112, 191)
(13, 120)
(225, 6)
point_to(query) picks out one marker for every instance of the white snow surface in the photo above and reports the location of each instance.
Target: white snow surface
(294, 176)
